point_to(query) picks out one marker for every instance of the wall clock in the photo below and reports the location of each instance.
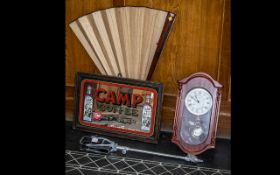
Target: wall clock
(197, 111)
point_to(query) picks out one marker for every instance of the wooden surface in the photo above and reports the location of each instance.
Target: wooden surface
(199, 42)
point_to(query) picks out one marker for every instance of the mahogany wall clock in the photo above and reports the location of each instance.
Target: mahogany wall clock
(197, 111)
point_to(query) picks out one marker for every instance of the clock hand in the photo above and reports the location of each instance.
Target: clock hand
(196, 99)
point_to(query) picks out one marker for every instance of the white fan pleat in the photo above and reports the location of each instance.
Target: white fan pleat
(125, 17)
(139, 46)
(111, 16)
(149, 23)
(105, 40)
(159, 23)
(86, 44)
(89, 30)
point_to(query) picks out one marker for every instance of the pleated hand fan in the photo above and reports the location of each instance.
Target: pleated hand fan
(124, 41)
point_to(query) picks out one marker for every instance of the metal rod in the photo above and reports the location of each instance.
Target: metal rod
(189, 157)
(103, 145)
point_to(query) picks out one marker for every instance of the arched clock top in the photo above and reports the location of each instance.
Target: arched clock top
(202, 75)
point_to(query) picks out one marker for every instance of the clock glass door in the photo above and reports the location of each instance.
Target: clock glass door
(197, 110)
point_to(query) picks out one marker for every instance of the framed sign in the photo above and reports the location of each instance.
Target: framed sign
(118, 107)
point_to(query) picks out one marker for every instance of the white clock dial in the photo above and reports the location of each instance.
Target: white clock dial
(198, 101)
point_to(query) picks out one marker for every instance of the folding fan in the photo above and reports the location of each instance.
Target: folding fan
(124, 41)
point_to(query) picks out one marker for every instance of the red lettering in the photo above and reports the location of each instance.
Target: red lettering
(111, 97)
(97, 92)
(124, 99)
(137, 99)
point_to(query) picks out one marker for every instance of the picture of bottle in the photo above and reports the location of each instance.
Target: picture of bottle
(88, 104)
(147, 114)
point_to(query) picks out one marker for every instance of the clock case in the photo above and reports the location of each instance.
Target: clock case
(197, 80)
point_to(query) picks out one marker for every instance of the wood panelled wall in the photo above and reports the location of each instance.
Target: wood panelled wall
(199, 41)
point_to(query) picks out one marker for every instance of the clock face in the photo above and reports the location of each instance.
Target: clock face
(198, 101)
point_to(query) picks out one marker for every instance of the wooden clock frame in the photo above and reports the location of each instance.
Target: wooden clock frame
(197, 80)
